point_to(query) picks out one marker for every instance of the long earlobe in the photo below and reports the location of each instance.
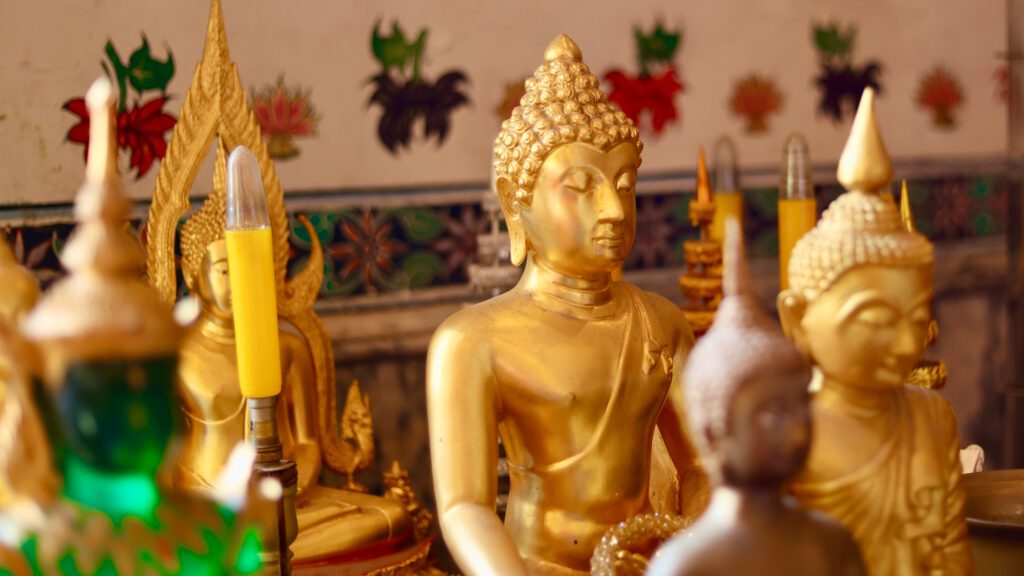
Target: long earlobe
(506, 190)
(791, 306)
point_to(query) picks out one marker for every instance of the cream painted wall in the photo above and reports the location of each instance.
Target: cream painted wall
(51, 50)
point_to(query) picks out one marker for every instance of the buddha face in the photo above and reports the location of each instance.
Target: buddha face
(580, 217)
(869, 329)
(214, 288)
(769, 430)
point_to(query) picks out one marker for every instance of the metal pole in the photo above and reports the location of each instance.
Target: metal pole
(1014, 426)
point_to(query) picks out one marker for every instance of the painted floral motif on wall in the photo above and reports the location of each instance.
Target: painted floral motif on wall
(384, 250)
(941, 95)
(405, 96)
(754, 99)
(142, 122)
(649, 96)
(840, 82)
(284, 114)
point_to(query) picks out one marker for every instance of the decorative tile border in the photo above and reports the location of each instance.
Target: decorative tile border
(373, 248)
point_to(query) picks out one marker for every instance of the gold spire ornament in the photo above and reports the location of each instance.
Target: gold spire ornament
(100, 307)
(216, 107)
(906, 213)
(859, 306)
(330, 522)
(701, 283)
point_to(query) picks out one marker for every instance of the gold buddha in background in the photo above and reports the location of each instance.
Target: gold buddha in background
(572, 369)
(215, 408)
(331, 522)
(884, 460)
(23, 443)
(747, 390)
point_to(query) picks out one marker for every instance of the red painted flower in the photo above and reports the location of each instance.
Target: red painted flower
(140, 130)
(284, 113)
(649, 101)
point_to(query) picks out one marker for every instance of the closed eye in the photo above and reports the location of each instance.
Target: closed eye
(579, 181)
(626, 182)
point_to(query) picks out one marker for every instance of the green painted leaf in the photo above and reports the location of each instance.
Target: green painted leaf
(420, 225)
(325, 224)
(146, 72)
(421, 268)
(981, 187)
(658, 46)
(831, 40)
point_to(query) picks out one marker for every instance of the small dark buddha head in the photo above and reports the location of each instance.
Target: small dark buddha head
(747, 388)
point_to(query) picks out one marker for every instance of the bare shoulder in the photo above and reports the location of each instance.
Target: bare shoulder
(468, 326)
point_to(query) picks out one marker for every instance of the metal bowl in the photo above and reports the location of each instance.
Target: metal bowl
(995, 521)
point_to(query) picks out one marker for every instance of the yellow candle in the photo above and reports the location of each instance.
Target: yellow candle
(727, 205)
(251, 270)
(727, 198)
(798, 210)
(796, 218)
(254, 303)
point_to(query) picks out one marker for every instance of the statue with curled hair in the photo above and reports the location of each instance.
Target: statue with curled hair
(885, 460)
(575, 371)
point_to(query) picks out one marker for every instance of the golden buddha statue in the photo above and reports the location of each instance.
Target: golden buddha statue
(573, 370)
(747, 390)
(884, 460)
(331, 522)
(19, 291)
(23, 444)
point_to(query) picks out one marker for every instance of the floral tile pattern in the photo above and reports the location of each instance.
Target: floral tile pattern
(372, 251)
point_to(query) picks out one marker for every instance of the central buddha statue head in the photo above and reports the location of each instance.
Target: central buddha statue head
(565, 166)
(860, 282)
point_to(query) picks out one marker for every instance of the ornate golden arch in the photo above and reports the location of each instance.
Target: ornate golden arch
(216, 106)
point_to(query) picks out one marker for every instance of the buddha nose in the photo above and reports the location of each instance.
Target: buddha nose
(609, 204)
(907, 342)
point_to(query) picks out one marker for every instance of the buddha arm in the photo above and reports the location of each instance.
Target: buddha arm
(694, 485)
(957, 550)
(462, 415)
(300, 382)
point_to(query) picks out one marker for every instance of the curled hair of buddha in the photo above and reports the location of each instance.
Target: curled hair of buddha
(563, 103)
(207, 225)
(861, 227)
(742, 344)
